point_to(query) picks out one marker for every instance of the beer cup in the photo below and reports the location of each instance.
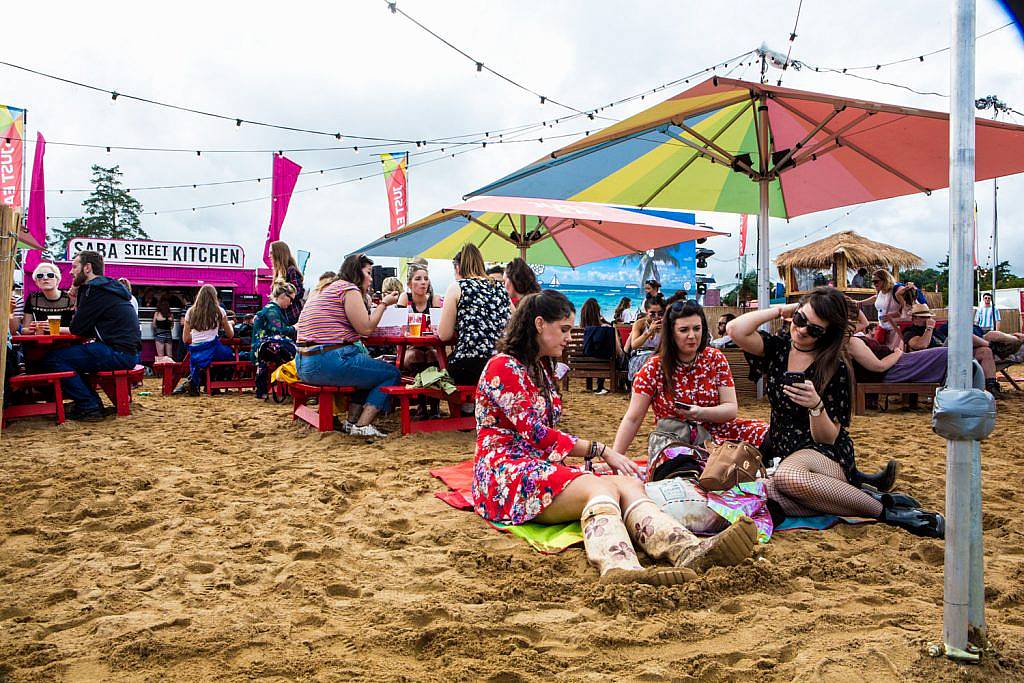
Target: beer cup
(54, 323)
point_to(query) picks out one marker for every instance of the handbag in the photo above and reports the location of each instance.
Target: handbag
(730, 463)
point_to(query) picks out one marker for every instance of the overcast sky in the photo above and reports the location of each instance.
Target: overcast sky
(355, 67)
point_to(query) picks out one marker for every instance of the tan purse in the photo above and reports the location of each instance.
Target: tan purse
(730, 463)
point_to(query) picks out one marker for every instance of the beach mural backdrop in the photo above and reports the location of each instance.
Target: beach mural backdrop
(610, 280)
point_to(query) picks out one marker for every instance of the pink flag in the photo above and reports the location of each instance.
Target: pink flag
(743, 234)
(286, 174)
(35, 224)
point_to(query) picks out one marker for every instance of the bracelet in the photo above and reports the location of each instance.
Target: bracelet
(588, 459)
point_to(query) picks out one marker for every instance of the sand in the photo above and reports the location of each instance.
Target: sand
(212, 539)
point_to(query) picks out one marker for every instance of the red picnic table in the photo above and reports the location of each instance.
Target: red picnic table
(36, 346)
(404, 342)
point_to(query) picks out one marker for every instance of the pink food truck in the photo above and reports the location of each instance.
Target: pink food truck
(175, 270)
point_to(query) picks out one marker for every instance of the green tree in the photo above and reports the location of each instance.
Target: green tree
(744, 291)
(110, 212)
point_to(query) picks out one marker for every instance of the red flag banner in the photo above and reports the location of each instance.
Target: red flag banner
(12, 150)
(33, 234)
(396, 178)
(743, 234)
(286, 174)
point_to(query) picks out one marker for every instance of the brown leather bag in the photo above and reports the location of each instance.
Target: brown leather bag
(730, 463)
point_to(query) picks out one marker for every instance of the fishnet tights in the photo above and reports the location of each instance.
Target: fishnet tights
(807, 483)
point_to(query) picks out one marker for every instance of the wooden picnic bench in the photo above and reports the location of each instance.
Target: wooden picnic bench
(321, 415)
(589, 367)
(52, 400)
(117, 385)
(910, 390)
(455, 421)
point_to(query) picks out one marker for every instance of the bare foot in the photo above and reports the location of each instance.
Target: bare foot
(654, 576)
(730, 547)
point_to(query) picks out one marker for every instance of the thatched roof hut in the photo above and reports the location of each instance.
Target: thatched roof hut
(836, 260)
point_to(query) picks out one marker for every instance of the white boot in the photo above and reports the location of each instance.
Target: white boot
(663, 538)
(608, 548)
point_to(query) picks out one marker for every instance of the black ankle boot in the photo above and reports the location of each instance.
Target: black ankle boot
(892, 500)
(916, 521)
(882, 481)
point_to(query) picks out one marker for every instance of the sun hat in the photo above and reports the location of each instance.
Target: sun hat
(921, 310)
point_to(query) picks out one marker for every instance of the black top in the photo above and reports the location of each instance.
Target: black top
(164, 324)
(918, 331)
(790, 427)
(38, 307)
(105, 312)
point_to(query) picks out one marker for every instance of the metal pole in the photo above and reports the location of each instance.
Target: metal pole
(763, 255)
(995, 245)
(959, 454)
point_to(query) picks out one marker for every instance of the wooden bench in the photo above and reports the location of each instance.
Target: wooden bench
(861, 390)
(1002, 367)
(745, 389)
(588, 367)
(117, 385)
(243, 375)
(322, 416)
(44, 407)
(456, 421)
(170, 374)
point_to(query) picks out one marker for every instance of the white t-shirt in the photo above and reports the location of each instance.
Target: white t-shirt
(882, 303)
(203, 336)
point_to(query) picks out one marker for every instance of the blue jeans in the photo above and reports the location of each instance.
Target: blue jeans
(85, 359)
(201, 355)
(350, 366)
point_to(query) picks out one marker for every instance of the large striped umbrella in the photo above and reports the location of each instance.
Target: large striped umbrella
(542, 231)
(739, 147)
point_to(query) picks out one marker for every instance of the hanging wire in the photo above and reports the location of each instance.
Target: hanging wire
(792, 39)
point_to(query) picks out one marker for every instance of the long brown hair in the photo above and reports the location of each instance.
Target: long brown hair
(831, 306)
(205, 312)
(670, 358)
(590, 313)
(886, 277)
(352, 270)
(520, 338)
(521, 276)
(624, 305)
(281, 258)
(470, 262)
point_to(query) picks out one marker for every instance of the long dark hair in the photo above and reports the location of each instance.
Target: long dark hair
(520, 338)
(590, 313)
(624, 303)
(352, 270)
(470, 262)
(522, 277)
(829, 304)
(670, 358)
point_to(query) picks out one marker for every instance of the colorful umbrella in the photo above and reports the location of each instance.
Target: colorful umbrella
(542, 231)
(739, 147)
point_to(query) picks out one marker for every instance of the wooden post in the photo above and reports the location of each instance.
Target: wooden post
(8, 248)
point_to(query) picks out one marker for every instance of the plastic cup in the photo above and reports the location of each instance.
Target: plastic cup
(54, 323)
(415, 324)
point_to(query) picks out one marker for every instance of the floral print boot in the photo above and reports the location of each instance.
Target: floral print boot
(608, 548)
(663, 538)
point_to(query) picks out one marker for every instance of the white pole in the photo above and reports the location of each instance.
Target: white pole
(763, 255)
(995, 244)
(960, 454)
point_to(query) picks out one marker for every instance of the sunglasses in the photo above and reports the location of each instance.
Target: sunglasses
(47, 276)
(656, 314)
(815, 331)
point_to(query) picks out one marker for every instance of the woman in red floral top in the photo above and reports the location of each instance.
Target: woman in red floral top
(521, 473)
(699, 388)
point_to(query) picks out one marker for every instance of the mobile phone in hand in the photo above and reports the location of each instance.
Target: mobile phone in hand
(683, 406)
(791, 378)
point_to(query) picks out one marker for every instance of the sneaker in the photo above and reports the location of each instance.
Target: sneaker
(343, 426)
(368, 430)
(601, 392)
(86, 414)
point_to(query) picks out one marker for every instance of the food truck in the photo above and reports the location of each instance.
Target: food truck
(175, 270)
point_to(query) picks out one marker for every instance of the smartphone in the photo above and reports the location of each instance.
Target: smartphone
(682, 406)
(792, 378)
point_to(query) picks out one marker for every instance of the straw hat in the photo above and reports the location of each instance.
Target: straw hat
(921, 310)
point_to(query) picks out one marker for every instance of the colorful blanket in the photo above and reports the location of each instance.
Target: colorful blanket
(554, 538)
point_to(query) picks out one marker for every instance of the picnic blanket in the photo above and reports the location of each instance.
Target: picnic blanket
(554, 538)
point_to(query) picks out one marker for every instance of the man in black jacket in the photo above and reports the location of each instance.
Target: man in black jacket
(104, 312)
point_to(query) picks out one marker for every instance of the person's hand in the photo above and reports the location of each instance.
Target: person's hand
(390, 300)
(803, 394)
(621, 464)
(930, 324)
(898, 351)
(692, 413)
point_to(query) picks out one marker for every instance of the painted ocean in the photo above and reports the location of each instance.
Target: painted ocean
(607, 296)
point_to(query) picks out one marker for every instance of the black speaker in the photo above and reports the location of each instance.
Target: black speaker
(379, 274)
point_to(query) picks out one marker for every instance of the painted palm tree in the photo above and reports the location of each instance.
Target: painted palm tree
(647, 262)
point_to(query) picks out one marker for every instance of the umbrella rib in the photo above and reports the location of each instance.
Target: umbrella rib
(733, 160)
(490, 229)
(832, 137)
(704, 151)
(689, 162)
(608, 237)
(849, 145)
(807, 138)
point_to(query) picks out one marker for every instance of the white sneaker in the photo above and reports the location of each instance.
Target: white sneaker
(601, 392)
(368, 430)
(346, 427)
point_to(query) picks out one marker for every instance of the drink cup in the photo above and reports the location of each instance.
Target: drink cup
(415, 324)
(54, 323)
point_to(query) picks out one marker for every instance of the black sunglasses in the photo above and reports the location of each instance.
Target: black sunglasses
(815, 331)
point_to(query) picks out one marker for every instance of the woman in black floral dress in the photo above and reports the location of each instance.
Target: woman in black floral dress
(810, 415)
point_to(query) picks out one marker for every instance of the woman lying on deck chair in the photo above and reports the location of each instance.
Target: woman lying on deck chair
(807, 382)
(521, 475)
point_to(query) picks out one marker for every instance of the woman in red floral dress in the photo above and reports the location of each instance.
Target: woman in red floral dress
(699, 388)
(520, 470)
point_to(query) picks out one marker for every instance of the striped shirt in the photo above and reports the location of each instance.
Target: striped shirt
(323, 319)
(987, 318)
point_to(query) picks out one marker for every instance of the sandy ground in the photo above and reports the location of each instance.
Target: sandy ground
(211, 539)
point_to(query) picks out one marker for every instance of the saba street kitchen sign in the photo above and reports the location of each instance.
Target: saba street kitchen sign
(151, 253)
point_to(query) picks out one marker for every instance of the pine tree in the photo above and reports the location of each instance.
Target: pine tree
(110, 212)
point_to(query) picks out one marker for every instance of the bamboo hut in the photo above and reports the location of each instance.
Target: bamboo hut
(835, 261)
